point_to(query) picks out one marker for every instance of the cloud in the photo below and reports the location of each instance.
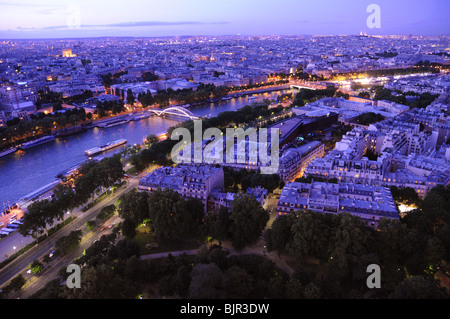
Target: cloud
(14, 4)
(36, 8)
(418, 22)
(120, 25)
(49, 11)
(27, 5)
(157, 23)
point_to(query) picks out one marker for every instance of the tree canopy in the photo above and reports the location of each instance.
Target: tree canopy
(247, 220)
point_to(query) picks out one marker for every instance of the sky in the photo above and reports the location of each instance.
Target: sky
(28, 19)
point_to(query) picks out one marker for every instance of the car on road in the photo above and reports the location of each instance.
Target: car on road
(103, 228)
(111, 225)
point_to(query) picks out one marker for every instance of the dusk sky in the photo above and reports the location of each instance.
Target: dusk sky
(24, 19)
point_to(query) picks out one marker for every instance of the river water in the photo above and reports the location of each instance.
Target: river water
(26, 171)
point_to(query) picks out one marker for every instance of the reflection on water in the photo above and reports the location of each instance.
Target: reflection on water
(25, 171)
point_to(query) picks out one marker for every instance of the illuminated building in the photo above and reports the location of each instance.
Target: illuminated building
(68, 53)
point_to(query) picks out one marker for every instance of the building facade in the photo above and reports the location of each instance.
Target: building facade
(370, 203)
(203, 182)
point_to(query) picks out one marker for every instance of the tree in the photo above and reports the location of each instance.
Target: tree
(403, 246)
(351, 240)
(156, 153)
(392, 242)
(182, 280)
(442, 243)
(124, 249)
(97, 252)
(130, 97)
(248, 220)
(238, 283)
(309, 95)
(108, 171)
(33, 222)
(435, 250)
(129, 228)
(146, 99)
(176, 283)
(436, 203)
(149, 77)
(152, 138)
(102, 282)
(90, 224)
(206, 282)
(40, 215)
(416, 287)
(15, 284)
(106, 212)
(65, 198)
(298, 101)
(386, 94)
(135, 270)
(219, 224)
(172, 216)
(359, 270)
(36, 267)
(217, 255)
(66, 244)
(369, 118)
(267, 181)
(295, 289)
(311, 235)
(364, 95)
(279, 235)
(134, 206)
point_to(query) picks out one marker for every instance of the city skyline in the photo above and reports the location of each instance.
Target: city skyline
(66, 19)
(242, 150)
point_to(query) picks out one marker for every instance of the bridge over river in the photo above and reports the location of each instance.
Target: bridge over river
(175, 110)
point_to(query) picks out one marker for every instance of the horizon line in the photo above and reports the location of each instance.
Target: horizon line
(224, 35)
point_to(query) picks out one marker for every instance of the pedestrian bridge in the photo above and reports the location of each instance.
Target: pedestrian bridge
(176, 110)
(298, 87)
(307, 85)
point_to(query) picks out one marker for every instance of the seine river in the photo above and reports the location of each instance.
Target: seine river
(26, 171)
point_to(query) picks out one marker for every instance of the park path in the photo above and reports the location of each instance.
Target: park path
(256, 249)
(166, 254)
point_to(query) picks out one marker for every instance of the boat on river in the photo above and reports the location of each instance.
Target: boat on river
(8, 151)
(37, 142)
(108, 146)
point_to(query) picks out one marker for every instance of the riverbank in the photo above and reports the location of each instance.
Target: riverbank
(25, 171)
(124, 118)
(133, 116)
(261, 90)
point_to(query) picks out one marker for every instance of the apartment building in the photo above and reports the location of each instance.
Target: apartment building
(370, 203)
(294, 161)
(203, 182)
(187, 180)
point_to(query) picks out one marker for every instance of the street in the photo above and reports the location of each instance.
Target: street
(38, 282)
(20, 264)
(35, 283)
